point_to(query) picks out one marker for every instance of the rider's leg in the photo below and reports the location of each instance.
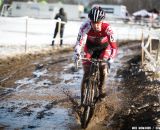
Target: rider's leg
(103, 72)
(102, 85)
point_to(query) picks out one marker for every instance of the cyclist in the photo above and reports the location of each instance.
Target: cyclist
(100, 42)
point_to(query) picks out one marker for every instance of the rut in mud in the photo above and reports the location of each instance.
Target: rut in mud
(43, 92)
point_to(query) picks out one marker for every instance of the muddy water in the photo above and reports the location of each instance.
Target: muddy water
(38, 101)
(47, 95)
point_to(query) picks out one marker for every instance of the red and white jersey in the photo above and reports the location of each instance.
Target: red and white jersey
(105, 35)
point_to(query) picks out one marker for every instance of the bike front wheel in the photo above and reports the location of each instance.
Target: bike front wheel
(88, 104)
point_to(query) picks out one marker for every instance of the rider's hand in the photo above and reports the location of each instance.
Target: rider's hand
(77, 52)
(76, 57)
(77, 49)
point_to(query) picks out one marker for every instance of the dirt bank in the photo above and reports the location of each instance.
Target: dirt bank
(140, 96)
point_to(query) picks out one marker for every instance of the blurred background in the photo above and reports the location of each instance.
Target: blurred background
(30, 24)
(40, 8)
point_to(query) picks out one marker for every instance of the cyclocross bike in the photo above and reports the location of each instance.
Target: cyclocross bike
(91, 92)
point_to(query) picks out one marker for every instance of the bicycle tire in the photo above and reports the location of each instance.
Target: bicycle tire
(90, 96)
(87, 114)
(88, 107)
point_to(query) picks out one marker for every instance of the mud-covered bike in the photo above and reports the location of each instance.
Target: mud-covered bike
(90, 90)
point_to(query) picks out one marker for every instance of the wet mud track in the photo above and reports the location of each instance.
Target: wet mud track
(44, 93)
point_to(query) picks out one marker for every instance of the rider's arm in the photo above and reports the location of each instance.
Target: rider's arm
(85, 27)
(112, 41)
(80, 39)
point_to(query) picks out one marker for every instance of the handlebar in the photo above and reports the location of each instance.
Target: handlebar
(92, 60)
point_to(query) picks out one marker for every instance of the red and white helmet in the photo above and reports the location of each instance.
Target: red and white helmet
(96, 14)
